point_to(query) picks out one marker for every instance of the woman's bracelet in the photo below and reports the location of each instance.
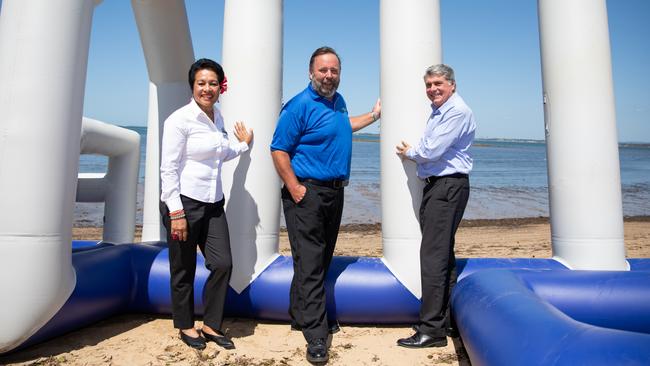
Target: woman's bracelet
(374, 116)
(178, 214)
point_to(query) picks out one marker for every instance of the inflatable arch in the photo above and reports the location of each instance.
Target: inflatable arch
(62, 292)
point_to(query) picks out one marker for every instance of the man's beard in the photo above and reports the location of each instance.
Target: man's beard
(325, 91)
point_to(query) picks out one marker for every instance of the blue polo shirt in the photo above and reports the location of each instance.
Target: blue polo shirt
(317, 135)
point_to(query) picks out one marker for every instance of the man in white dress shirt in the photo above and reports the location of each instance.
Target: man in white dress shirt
(443, 161)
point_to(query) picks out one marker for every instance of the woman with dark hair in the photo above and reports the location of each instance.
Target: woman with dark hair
(195, 144)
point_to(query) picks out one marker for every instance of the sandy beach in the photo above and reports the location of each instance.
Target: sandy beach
(149, 339)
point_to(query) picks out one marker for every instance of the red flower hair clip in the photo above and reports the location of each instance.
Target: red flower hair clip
(224, 85)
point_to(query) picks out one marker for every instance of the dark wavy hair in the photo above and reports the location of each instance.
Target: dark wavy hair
(202, 64)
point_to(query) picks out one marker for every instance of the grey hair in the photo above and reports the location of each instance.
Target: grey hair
(441, 70)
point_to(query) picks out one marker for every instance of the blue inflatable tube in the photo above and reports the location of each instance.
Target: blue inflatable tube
(503, 320)
(135, 278)
(616, 300)
(466, 267)
(104, 285)
(509, 311)
(359, 290)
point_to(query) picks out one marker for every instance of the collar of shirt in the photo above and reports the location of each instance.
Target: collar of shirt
(200, 115)
(317, 97)
(198, 112)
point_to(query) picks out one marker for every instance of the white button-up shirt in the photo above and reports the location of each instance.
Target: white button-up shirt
(448, 135)
(193, 151)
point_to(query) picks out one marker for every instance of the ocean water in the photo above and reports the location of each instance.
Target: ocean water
(509, 180)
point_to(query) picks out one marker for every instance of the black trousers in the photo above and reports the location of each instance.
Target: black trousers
(207, 228)
(313, 227)
(443, 203)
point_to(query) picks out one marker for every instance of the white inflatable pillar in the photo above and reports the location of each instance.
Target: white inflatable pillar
(43, 61)
(165, 37)
(582, 145)
(118, 187)
(252, 60)
(410, 42)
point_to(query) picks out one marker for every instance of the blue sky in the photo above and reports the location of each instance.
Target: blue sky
(492, 44)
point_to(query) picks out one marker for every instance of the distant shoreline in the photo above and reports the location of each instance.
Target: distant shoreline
(504, 222)
(490, 141)
(374, 137)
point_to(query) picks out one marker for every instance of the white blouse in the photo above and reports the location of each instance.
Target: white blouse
(193, 151)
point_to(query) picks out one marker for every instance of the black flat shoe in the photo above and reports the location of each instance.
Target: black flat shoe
(317, 351)
(220, 340)
(194, 342)
(421, 340)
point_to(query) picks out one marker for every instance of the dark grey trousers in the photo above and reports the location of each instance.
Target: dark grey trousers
(207, 229)
(443, 203)
(313, 227)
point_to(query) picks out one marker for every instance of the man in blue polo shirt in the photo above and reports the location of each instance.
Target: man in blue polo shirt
(311, 150)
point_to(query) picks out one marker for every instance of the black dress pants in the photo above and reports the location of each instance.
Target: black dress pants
(207, 228)
(313, 227)
(443, 204)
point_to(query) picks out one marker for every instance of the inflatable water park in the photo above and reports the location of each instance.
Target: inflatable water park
(588, 304)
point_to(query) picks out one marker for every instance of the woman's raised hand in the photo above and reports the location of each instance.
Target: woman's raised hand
(242, 133)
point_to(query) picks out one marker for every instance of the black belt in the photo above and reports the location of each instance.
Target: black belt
(325, 183)
(433, 178)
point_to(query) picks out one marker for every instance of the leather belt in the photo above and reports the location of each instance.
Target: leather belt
(434, 178)
(336, 184)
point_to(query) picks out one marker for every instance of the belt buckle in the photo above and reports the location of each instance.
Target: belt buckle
(338, 184)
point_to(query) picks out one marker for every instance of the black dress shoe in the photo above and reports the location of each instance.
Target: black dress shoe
(333, 328)
(421, 340)
(449, 331)
(317, 351)
(194, 342)
(220, 340)
(452, 332)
